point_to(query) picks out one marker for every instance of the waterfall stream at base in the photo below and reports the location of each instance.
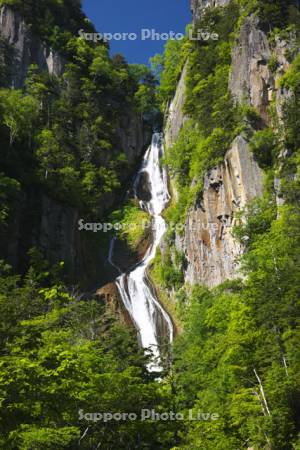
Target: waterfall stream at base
(134, 286)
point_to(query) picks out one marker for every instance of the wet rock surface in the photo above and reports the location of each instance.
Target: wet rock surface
(110, 294)
(125, 257)
(143, 189)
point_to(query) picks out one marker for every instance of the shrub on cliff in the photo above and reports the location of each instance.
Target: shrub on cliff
(264, 147)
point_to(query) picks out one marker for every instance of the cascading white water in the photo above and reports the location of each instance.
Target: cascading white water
(134, 286)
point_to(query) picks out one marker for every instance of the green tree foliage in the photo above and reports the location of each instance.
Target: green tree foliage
(239, 353)
(167, 270)
(60, 355)
(208, 101)
(132, 223)
(168, 67)
(237, 344)
(5, 63)
(212, 117)
(54, 21)
(256, 219)
(9, 189)
(277, 13)
(291, 79)
(63, 131)
(179, 161)
(290, 179)
(264, 147)
(19, 114)
(145, 97)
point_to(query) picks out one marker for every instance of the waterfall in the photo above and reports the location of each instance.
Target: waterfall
(134, 287)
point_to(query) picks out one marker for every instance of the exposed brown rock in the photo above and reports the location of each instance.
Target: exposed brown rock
(143, 189)
(110, 294)
(250, 78)
(125, 257)
(210, 249)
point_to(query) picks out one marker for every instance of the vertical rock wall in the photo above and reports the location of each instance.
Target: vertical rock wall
(251, 80)
(210, 250)
(26, 49)
(38, 219)
(198, 6)
(175, 115)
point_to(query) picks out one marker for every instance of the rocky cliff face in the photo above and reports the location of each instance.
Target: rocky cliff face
(251, 79)
(198, 6)
(40, 220)
(133, 136)
(111, 296)
(210, 250)
(26, 49)
(175, 117)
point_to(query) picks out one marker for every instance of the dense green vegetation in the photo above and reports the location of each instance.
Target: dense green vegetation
(59, 136)
(62, 131)
(238, 355)
(167, 67)
(61, 353)
(213, 119)
(264, 147)
(53, 21)
(278, 13)
(63, 136)
(131, 223)
(167, 271)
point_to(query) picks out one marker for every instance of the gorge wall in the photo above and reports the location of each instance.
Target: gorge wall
(209, 247)
(26, 49)
(251, 79)
(198, 6)
(40, 220)
(207, 243)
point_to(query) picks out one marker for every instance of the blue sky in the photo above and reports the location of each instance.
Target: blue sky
(130, 16)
